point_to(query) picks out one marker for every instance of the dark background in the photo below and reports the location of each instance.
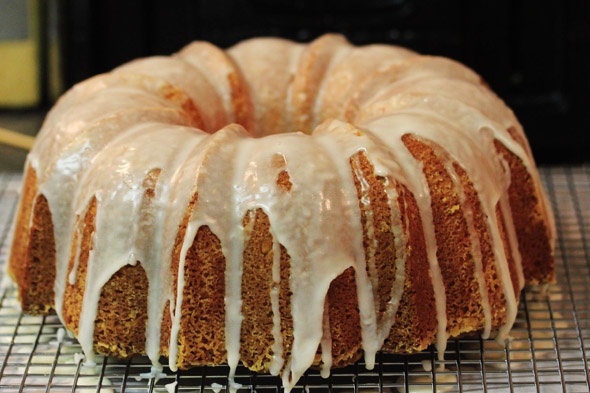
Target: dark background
(534, 54)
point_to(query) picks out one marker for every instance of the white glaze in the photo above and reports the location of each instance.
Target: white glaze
(216, 66)
(190, 80)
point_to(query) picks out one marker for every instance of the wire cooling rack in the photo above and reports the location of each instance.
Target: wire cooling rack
(548, 352)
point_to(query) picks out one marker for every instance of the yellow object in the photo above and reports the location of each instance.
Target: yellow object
(20, 84)
(16, 139)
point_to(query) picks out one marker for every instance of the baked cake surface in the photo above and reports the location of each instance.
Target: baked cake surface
(280, 204)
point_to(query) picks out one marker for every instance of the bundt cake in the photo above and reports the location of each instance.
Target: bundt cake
(280, 204)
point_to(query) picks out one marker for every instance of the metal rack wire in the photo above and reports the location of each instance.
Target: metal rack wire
(549, 351)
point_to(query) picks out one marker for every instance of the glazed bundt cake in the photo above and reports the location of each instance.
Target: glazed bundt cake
(280, 204)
